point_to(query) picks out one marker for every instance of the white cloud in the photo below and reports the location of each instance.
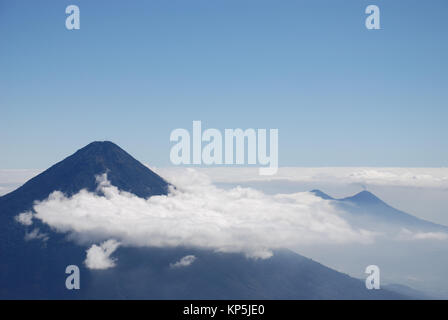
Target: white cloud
(198, 214)
(184, 262)
(431, 236)
(406, 234)
(98, 257)
(25, 218)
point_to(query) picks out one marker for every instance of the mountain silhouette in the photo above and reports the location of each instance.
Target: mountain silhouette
(364, 197)
(321, 194)
(366, 210)
(78, 172)
(35, 269)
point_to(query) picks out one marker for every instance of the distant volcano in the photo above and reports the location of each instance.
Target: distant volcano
(365, 210)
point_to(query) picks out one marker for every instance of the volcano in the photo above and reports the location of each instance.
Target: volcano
(35, 269)
(78, 172)
(365, 210)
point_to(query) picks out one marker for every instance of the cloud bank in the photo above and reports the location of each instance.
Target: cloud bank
(407, 235)
(198, 214)
(399, 177)
(11, 179)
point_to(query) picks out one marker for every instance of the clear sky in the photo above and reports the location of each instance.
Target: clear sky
(340, 95)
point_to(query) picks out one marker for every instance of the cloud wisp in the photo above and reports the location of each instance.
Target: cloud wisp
(36, 235)
(184, 262)
(99, 257)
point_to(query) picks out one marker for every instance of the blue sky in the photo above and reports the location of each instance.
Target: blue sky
(339, 94)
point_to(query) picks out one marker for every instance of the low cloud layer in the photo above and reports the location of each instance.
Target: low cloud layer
(10, 179)
(25, 218)
(380, 176)
(399, 177)
(407, 235)
(198, 214)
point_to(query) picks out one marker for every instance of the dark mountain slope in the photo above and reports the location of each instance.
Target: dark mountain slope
(321, 194)
(145, 273)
